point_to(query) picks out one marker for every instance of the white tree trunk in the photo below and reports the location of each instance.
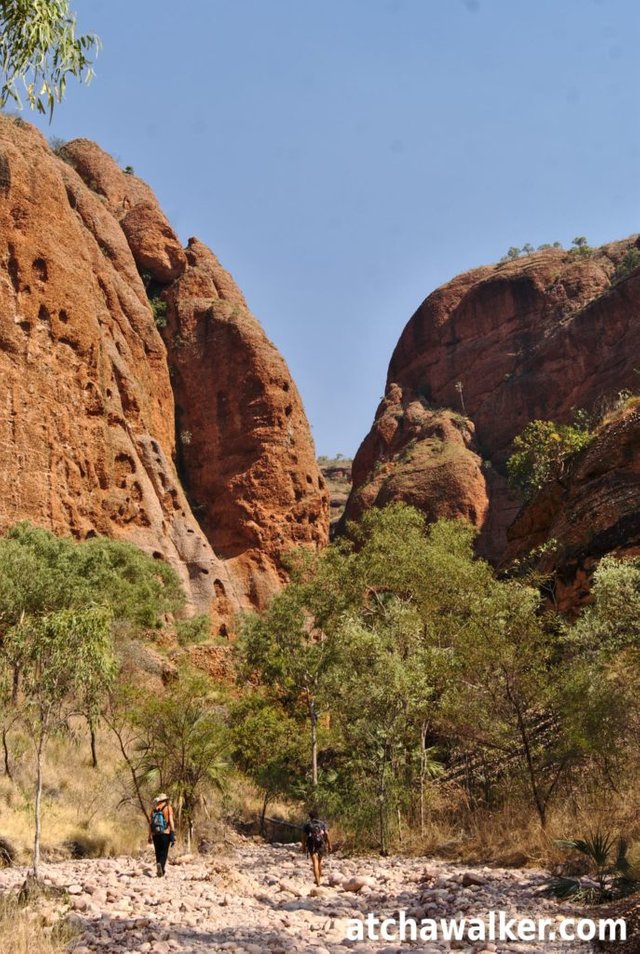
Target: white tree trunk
(38, 806)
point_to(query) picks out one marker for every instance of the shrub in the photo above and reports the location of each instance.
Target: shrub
(611, 874)
(581, 246)
(627, 264)
(7, 852)
(159, 309)
(541, 453)
(195, 630)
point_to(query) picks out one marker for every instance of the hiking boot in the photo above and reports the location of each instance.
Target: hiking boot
(159, 870)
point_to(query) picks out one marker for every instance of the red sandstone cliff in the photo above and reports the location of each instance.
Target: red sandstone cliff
(501, 345)
(87, 425)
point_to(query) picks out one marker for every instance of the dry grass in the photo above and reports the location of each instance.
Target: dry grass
(23, 931)
(619, 408)
(512, 835)
(82, 810)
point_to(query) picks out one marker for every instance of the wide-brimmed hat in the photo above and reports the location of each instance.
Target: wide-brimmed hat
(162, 797)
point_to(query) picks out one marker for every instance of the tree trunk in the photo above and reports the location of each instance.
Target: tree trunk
(265, 804)
(539, 801)
(180, 810)
(36, 841)
(188, 806)
(313, 715)
(5, 746)
(423, 772)
(125, 755)
(94, 754)
(382, 800)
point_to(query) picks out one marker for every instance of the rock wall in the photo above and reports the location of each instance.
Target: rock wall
(87, 424)
(498, 346)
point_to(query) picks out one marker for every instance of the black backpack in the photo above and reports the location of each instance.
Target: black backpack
(315, 836)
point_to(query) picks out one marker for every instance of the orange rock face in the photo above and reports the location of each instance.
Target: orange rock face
(503, 345)
(424, 457)
(87, 424)
(245, 450)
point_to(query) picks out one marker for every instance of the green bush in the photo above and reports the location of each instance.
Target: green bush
(627, 264)
(581, 246)
(195, 630)
(541, 454)
(159, 309)
(611, 874)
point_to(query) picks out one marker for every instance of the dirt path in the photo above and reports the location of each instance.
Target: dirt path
(261, 899)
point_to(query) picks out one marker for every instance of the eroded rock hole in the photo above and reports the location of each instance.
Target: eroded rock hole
(41, 269)
(13, 268)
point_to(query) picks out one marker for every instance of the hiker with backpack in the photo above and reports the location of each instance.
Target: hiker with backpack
(162, 830)
(316, 842)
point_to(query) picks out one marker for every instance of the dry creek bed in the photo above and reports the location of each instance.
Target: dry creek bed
(260, 898)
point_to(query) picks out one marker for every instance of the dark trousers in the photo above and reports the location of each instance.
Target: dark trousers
(161, 845)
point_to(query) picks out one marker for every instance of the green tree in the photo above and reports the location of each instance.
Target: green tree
(612, 623)
(293, 656)
(541, 454)
(501, 697)
(627, 264)
(184, 744)
(409, 642)
(66, 662)
(603, 650)
(39, 47)
(268, 747)
(42, 574)
(581, 245)
(382, 701)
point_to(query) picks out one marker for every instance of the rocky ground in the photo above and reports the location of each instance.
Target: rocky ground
(261, 898)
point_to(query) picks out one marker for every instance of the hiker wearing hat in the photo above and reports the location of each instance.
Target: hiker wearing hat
(162, 830)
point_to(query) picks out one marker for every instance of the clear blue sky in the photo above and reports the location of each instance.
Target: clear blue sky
(345, 157)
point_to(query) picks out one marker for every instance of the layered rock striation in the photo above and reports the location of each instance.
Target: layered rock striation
(88, 409)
